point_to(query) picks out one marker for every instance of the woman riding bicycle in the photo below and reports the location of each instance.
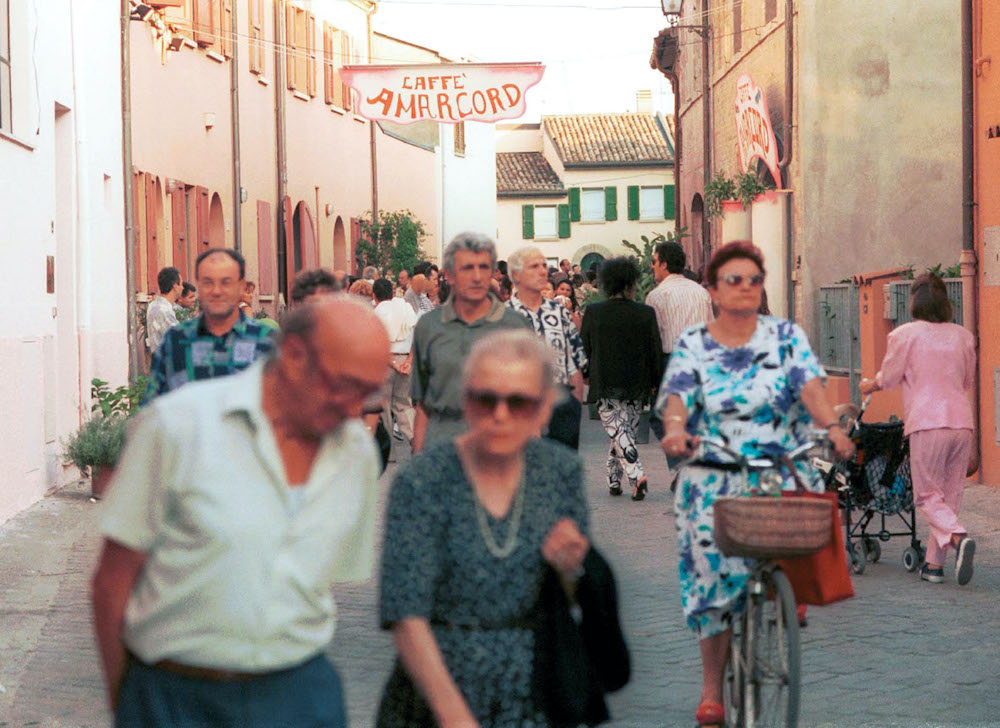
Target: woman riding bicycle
(753, 382)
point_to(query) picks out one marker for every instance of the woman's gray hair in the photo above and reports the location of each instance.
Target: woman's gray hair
(474, 243)
(509, 346)
(515, 263)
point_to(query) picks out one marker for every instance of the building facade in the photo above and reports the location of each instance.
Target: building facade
(63, 232)
(576, 186)
(870, 173)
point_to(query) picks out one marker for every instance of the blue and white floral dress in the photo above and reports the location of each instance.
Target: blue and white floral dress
(748, 397)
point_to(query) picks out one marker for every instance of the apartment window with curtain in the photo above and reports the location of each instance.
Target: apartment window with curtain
(5, 95)
(651, 203)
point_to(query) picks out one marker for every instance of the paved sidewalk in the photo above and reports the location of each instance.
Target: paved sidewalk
(902, 653)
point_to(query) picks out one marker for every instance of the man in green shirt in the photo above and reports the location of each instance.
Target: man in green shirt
(443, 337)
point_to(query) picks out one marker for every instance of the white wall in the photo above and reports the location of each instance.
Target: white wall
(60, 172)
(469, 182)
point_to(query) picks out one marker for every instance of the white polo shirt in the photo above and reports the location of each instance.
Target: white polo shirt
(238, 574)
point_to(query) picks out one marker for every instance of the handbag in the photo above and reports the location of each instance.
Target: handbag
(576, 663)
(822, 577)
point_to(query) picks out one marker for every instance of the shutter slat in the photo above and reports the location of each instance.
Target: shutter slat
(564, 220)
(669, 208)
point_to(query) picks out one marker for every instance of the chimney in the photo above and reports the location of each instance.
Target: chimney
(644, 101)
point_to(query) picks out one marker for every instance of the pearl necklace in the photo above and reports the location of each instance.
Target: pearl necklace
(510, 542)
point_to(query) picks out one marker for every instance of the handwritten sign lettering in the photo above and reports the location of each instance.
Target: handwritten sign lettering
(754, 133)
(449, 93)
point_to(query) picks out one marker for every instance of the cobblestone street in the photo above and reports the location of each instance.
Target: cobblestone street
(902, 653)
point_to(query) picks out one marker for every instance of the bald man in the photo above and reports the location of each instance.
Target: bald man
(238, 503)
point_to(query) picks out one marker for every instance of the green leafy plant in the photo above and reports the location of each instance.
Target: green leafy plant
(748, 187)
(98, 443)
(719, 189)
(123, 400)
(392, 243)
(644, 257)
(953, 271)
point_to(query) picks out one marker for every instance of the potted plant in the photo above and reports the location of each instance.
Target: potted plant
(95, 448)
(722, 199)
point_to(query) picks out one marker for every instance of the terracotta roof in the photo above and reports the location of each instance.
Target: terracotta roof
(609, 140)
(521, 173)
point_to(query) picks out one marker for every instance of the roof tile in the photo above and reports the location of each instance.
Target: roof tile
(608, 139)
(526, 172)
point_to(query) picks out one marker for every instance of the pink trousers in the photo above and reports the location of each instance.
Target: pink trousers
(938, 459)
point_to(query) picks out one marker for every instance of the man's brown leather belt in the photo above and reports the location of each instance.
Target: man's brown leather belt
(207, 673)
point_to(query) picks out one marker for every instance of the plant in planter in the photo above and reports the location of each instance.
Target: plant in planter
(748, 187)
(95, 449)
(717, 191)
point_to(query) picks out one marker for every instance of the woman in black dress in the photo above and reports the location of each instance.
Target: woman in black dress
(622, 343)
(470, 524)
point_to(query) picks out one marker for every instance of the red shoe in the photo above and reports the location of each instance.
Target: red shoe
(800, 612)
(710, 713)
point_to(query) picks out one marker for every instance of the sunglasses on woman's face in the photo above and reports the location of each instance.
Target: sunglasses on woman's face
(735, 279)
(484, 401)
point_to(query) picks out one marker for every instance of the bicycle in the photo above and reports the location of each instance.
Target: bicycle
(762, 684)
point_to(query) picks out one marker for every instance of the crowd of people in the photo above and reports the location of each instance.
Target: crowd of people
(248, 486)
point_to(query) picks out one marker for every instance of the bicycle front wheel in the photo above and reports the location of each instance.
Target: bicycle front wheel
(771, 677)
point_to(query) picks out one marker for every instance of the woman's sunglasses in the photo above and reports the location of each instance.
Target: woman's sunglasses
(484, 401)
(735, 279)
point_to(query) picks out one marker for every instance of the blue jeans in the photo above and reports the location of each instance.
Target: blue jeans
(307, 696)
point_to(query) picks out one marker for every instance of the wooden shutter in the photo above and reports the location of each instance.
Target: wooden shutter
(138, 191)
(178, 222)
(737, 26)
(256, 36)
(310, 54)
(290, 46)
(204, 205)
(574, 204)
(286, 221)
(327, 63)
(528, 222)
(301, 60)
(265, 249)
(202, 22)
(633, 202)
(226, 31)
(610, 203)
(669, 209)
(345, 58)
(564, 216)
(152, 236)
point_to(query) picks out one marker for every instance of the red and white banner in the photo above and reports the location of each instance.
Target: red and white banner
(754, 133)
(445, 92)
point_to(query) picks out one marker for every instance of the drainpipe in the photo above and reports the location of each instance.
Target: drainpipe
(706, 115)
(234, 114)
(967, 260)
(134, 363)
(786, 159)
(676, 86)
(371, 124)
(281, 155)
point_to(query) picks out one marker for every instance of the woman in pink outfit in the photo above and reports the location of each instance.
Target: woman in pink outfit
(935, 362)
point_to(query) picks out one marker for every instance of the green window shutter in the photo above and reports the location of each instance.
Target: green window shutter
(574, 204)
(669, 211)
(633, 202)
(564, 221)
(610, 203)
(527, 222)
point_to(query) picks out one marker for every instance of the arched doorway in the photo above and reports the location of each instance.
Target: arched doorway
(591, 260)
(699, 253)
(216, 223)
(302, 251)
(339, 245)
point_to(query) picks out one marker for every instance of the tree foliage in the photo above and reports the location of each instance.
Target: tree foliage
(392, 243)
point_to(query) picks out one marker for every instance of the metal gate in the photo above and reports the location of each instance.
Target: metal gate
(840, 333)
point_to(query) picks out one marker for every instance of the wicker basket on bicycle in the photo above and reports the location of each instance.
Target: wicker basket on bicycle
(768, 527)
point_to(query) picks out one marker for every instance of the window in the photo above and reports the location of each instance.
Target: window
(336, 53)
(5, 95)
(460, 139)
(592, 205)
(737, 26)
(212, 22)
(257, 57)
(651, 203)
(546, 222)
(296, 51)
(770, 10)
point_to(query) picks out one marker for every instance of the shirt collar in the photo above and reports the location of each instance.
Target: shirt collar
(245, 392)
(495, 313)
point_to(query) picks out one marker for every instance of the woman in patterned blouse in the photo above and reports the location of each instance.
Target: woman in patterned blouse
(470, 524)
(753, 382)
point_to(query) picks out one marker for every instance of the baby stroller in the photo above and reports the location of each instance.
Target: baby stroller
(875, 491)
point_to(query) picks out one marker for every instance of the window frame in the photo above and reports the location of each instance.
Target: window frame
(459, 139)
(643, 216)
(595, 193)
(258, 57)
(537, 228)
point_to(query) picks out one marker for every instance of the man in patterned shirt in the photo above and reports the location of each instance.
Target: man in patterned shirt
(219, 341)
(160, 314)
(552, 321)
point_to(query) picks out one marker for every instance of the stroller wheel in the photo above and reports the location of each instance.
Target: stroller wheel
(874, 549)
(911, 559)
(858, 555)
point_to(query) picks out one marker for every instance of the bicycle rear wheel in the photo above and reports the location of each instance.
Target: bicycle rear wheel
(771, 678)
(732, 683)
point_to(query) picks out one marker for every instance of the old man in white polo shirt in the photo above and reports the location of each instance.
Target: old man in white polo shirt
(237, 505)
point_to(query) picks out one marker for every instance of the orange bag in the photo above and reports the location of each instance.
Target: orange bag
(823, 577)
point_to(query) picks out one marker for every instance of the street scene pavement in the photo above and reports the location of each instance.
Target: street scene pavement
(901, 653)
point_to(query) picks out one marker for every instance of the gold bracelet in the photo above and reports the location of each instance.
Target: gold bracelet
(676, 418)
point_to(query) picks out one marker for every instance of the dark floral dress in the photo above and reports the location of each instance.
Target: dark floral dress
(435, 565)
(750, 398)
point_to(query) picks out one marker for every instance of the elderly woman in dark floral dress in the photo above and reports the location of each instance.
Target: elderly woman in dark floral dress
(471, 523)
(753, 382)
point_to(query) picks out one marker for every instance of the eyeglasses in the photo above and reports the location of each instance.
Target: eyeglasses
(484, 401)
(735, 279)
